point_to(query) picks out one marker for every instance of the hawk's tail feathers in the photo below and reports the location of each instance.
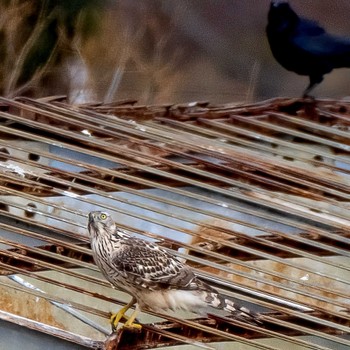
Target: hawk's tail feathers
(237, 312)
(240, 313)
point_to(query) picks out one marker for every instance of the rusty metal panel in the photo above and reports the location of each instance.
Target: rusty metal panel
(254, 197)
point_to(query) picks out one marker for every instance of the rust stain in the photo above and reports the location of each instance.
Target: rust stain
(295, 273)
(28, 306)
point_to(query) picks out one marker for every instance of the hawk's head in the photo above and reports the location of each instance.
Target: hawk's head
(100, 223)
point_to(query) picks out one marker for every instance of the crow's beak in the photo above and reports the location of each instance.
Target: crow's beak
(276, 3)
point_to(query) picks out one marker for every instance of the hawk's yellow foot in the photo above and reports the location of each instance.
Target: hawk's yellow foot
(115, 318)
(130, 322)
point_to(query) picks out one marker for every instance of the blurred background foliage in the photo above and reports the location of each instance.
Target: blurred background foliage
(37, 39)
(154, 51)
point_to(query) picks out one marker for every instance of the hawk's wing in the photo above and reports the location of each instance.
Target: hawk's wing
(150, 266)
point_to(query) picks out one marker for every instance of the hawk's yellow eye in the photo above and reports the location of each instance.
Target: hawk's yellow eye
(103, 216)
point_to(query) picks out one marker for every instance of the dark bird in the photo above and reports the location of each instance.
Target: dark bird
(155, 279)
(303, 46)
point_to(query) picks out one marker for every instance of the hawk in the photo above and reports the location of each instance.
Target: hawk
(154, 278)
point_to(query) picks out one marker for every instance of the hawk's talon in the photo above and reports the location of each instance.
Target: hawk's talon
(133, 326)
(115, 318)
(130, 323)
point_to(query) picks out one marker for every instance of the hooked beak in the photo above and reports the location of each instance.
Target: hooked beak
(91, 217)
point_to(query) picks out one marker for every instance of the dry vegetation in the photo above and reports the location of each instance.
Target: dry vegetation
(154, 51)
(132, 51)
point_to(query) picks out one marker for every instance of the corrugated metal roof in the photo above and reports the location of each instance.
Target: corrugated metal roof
(256, 195)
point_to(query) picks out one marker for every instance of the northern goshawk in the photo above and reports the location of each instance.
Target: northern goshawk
(156, 279)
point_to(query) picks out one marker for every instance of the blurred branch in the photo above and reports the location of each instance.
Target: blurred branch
(39, 73)
(9, 89)
(119, 72)
(253, 81)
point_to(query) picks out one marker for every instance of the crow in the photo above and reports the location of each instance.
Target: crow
(303, 46)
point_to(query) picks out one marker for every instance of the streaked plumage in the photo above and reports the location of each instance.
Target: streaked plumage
(156, 279)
